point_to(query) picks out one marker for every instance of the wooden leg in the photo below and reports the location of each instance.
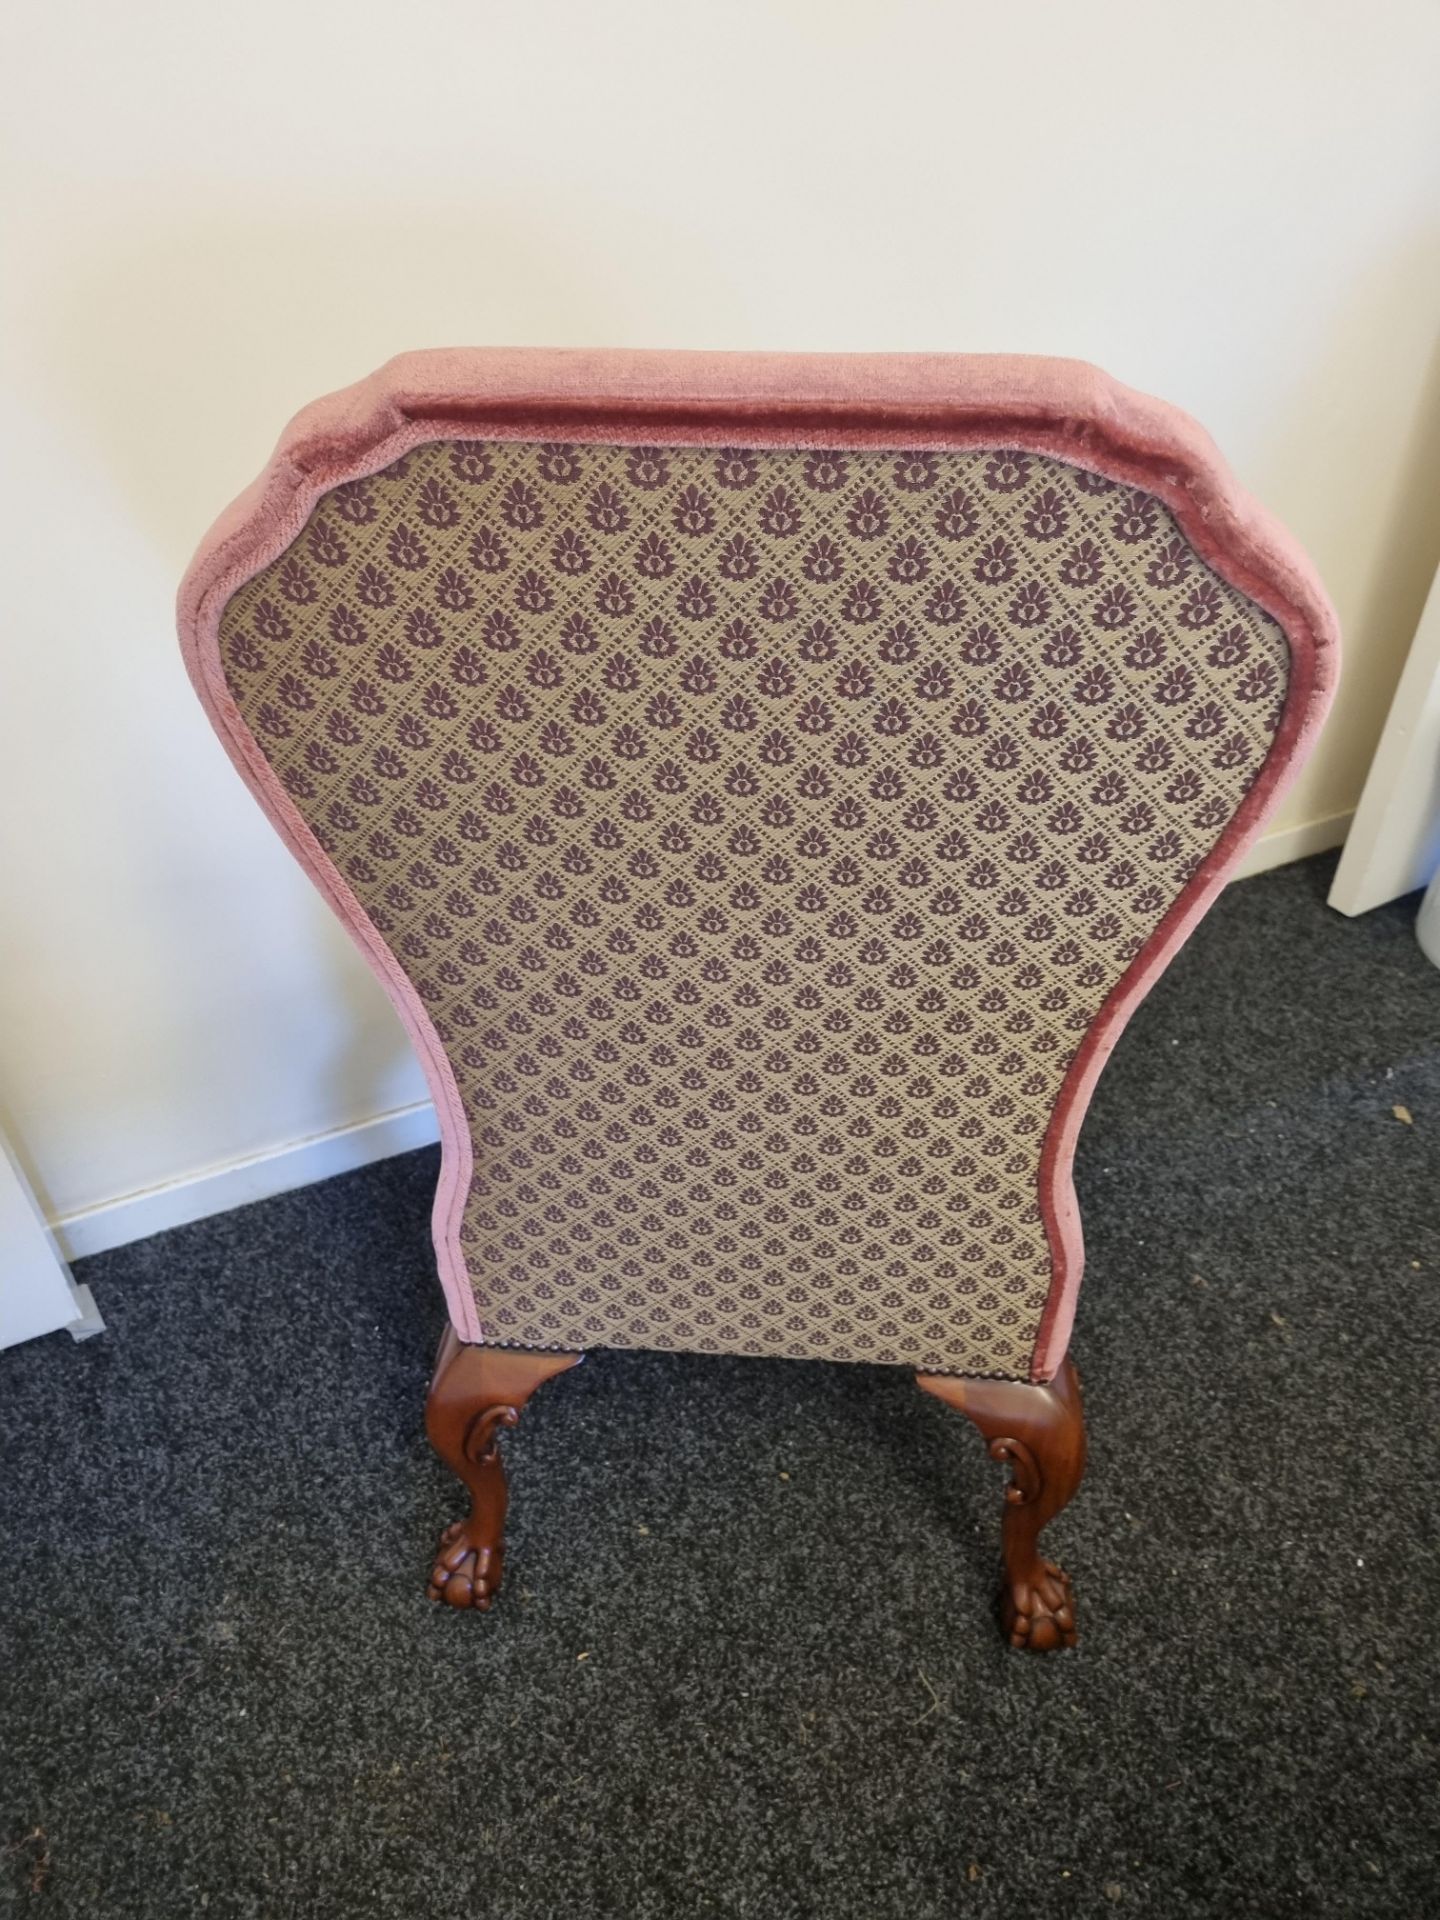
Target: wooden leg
(1039, 1432)
(475, 1392)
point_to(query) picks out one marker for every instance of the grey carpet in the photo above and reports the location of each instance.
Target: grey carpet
(745, 1663)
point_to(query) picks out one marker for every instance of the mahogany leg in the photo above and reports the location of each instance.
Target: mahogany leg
(1039, 1431)
(476, 1391)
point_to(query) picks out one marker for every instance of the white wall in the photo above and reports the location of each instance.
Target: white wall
(217, 213)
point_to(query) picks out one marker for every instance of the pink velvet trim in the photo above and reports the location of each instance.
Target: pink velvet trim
(1059, 407)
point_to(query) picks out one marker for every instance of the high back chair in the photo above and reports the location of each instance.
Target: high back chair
(765, 786)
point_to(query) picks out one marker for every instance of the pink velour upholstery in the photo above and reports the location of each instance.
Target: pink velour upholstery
(765, 786)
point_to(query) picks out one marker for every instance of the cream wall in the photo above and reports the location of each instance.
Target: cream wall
(216, 213)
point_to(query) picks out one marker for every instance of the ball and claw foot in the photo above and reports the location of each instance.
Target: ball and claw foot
(1038, 1431)
(477, 1393)
(1038, 1614)
(466, 1573)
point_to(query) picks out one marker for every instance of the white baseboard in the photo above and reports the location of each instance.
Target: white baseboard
(195, 1196)
(1295, 843)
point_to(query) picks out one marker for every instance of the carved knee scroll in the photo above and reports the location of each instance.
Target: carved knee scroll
(476, 1393)
(1039, 1432)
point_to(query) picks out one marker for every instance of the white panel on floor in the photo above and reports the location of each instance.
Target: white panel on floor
(36, 1292)
(1394, 843)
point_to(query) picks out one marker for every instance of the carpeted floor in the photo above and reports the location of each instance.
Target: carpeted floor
(745, 1663)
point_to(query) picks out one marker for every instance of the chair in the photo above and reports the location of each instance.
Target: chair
(765, 786)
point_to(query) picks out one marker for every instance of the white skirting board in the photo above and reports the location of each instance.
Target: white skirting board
(296, 1163)
(1295, 843)
(195, 1196)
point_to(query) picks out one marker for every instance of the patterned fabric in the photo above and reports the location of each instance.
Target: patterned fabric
(763, 830)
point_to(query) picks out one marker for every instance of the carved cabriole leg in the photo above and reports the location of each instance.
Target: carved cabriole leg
(476, 1391)
(1040, 1433)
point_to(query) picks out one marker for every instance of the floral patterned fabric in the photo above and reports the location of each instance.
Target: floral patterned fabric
(764, 830)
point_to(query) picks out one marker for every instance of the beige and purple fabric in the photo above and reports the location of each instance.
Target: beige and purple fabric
(765, 785)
